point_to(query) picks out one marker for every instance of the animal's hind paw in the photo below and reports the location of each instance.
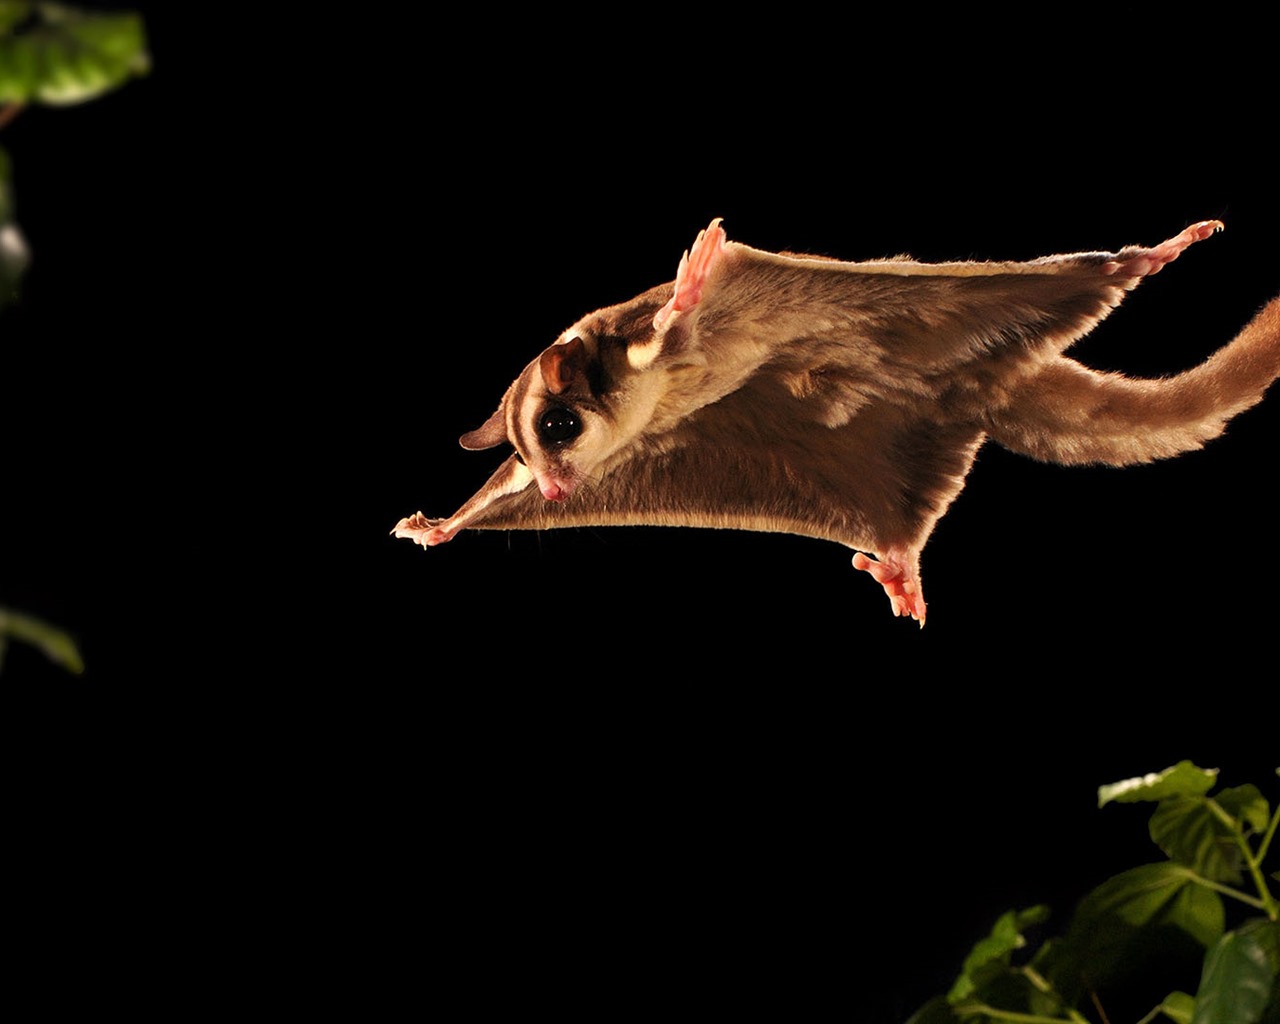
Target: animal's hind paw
(897, 574)
(1145, 262)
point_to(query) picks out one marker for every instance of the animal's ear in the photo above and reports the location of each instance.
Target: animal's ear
(489, 434)
(695, 267)
(560, 364)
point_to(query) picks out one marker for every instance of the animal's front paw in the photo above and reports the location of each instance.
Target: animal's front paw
(898, 577)
(421, 530)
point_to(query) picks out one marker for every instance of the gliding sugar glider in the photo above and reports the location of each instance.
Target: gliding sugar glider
(845, 401)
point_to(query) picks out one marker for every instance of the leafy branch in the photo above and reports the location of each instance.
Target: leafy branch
(1213, 843)
(55, 55)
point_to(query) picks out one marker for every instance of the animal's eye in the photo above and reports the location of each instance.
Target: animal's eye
(558, 424)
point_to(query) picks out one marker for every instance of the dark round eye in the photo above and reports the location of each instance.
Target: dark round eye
(558, 424)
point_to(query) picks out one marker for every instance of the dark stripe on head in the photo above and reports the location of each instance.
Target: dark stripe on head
(515, 422)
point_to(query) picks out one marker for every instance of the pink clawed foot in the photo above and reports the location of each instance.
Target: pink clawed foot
(899, 582)
(421, 530)
(695, 267)
(1149, 261)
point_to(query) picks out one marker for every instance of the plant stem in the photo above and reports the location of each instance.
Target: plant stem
(1097, 1005)
(1271, 832)
(1018, 1018)
(1226, 890)
(1266, 903)
(1043, 984)
(1036, 978)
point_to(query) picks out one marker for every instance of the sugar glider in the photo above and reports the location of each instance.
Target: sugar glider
(846, 401)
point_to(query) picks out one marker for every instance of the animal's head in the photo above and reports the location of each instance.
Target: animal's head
(581, 405)
(582, 401)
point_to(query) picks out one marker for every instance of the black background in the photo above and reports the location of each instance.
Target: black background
(273, 283)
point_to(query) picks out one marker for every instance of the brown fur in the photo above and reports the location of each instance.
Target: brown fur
(844, 401)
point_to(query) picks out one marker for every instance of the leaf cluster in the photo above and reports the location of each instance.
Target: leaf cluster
(52, 53)
(1215, 843)
(55, 54)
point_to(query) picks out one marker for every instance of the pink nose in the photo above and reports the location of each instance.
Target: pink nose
(554, 488)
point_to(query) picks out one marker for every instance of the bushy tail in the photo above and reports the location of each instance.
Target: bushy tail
(1071, 414)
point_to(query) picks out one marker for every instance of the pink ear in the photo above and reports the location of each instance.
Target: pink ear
(489, 434)
(561, 363)
(695, 267)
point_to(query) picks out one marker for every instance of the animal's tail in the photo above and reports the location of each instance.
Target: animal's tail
(1071, 414)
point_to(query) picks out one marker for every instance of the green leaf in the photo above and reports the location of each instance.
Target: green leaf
(1188, 831)
(1198, 912)
(1237, 978)
(990, 955)
(1179, 1007)
(1246, 805)
(65, 55)
(1183, 779)
(1268, 939)
(1155, 893)
(56, 643)
(1129, 918)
